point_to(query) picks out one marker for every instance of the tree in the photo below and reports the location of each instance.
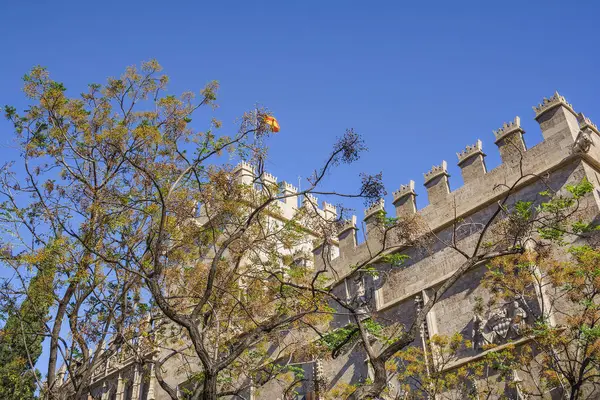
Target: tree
(564, 342)
(23, 332)
(152, 220)
(438, 373)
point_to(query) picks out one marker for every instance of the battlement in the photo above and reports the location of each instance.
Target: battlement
(244, 165)
(470, 151)
(404, 190)
(560, 127)
(269, 178)
(244, 172)
(309, 198)
(329, 207)
(346, 224)
(436, 171)
(548, 104)
(585, 122)
(377, 206)
(288, 187)
(508, 128)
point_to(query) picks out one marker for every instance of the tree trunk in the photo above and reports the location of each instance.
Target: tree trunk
(58, 320)
(210, 387)
(574, 392)
(379, 383)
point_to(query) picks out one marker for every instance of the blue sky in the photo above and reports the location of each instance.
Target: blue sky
(419, 81)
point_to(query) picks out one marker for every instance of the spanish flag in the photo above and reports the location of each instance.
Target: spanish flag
(272, 122)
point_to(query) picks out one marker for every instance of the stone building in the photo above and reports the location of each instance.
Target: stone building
(570, 151)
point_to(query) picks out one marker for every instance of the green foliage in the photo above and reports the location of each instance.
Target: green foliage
(551, 233)
(523, 209)
(395, 260)
(384, 220)
(581, 189)
(297, 371)
(22, 335)
(337, 337)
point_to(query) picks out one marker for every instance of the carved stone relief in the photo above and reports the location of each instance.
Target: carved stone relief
(501, 325)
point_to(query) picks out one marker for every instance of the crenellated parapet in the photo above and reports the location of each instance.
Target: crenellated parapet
(287, 193)
(559, 125)
(289, 188)
(371, 213)
(374, 208)
(245, 165)
(436, 182)
(548, 104)
(310, 200)
(557, 121)
(268, 184)
(404, 190)
(556, 115)
(508, 129)
(509, 139)
(290, 192)
(329, 211)
(471, 162)
(586, 123)
(405, 199)
(346, 224)
(435, 171)
(470, 151)
(347, 231)
(244, 173)
(268, 179)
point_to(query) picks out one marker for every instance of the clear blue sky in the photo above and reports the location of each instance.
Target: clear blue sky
(419, 82)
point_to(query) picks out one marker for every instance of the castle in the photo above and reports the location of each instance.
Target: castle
(569, 152)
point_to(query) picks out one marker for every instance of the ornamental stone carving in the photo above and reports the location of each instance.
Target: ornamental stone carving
(583, 142)
(502, 325)
(360, 300)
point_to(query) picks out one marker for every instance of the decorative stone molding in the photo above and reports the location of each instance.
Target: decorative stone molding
(436, 171)
(320, 379)
(548, 104)
(470, 151)
(360, 300)
(508, 128)
(424, 332)
(404, 190)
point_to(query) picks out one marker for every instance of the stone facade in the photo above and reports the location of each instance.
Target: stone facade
(569, 152)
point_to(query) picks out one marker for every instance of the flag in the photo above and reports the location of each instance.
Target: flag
(272, 122)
